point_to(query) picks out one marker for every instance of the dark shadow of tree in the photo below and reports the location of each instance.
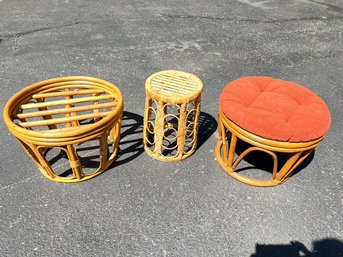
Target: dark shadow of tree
(328, 247)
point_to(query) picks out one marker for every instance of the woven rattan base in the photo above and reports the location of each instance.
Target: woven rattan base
(64, 114)
(230, 134)
(172, 115)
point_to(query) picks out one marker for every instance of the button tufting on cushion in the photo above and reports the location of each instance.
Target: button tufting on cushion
(275, 109)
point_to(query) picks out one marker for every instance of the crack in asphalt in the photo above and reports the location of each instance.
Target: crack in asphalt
(170, 16)
(4, 37)
(330, 7)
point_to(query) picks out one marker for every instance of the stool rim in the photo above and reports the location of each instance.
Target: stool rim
(273, 145)
(173, 99)
(51, 135)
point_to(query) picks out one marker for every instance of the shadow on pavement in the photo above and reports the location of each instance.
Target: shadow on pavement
(131, 138)
(264, 161)
(131, 142)
(207, 126)
(328, 247)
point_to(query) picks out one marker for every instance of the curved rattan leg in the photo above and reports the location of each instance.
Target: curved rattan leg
(37, 154)
(159, 128)
(284, 171)
(181, 131)
(103, 152)
(225, 157)
(230, 169)
(42, 163)
(251, 149)
(298, 160)
(30, 152)
(75, 163)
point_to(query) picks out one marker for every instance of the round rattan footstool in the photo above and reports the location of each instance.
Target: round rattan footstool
(274, 116)
(171, 114)
(63, 114)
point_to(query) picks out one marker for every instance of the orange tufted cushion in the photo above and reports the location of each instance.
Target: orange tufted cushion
(275, 109)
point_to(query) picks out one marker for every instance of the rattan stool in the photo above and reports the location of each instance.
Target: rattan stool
(171, 115)
(272, 116)
(64, 113)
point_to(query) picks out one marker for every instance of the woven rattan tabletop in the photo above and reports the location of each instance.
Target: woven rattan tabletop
(174, 86)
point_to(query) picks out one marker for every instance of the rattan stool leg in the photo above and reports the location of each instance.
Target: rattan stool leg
(74, 161)
(301, 157)
(159, 128)
(42, 163)
(181, 131)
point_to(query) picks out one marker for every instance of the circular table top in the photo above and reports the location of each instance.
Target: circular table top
(173, 86)
(62, 106)
(275, 109)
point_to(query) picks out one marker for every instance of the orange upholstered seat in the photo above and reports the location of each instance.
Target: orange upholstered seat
(275, 109)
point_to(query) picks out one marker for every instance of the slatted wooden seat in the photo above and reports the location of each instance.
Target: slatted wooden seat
(171, 114)
(65, 113)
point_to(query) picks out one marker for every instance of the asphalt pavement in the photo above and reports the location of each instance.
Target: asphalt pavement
(145, 207)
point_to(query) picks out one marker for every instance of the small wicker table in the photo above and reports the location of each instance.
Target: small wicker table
(63, 113)
(172, 114)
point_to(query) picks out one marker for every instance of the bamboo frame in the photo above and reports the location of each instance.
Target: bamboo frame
(178, 91)
(225, 152)
(52, 114)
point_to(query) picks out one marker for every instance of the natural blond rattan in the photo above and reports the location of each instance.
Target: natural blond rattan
(172, 114)
(64, 113)
(230, 133)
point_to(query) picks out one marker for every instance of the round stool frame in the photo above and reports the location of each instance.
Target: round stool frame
(106, 125)
(176, 95)
(225, 152)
